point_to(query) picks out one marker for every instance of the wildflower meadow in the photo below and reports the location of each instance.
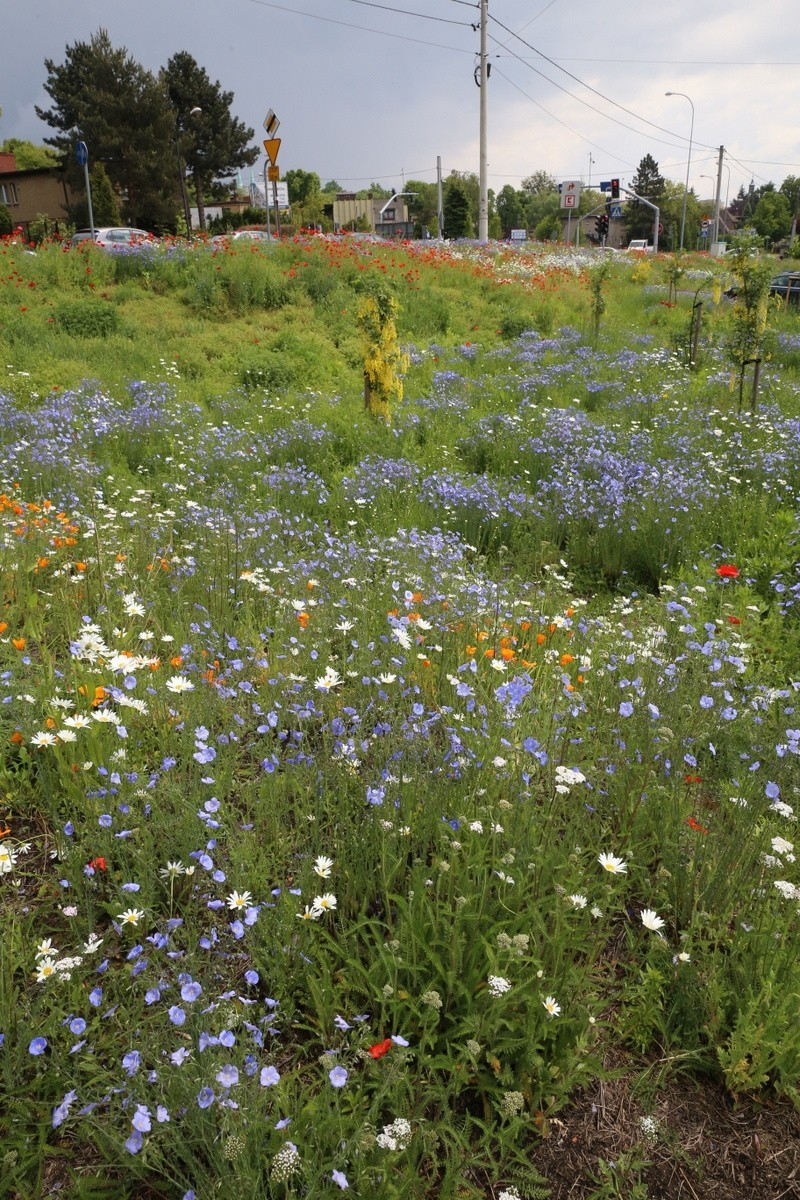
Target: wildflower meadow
(376, 779)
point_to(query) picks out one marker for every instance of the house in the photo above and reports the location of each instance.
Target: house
(39, 191)
(386, 218)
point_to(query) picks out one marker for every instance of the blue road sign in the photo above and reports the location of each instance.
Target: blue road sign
(616, 211)
(605, 186)
(81, 154)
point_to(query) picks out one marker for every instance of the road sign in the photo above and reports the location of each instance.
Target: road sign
(605, 186)
(273, 174)
(271, 124)
(81, 154)
(660, 228)
(272, 146)
(616, 211)
(570, 193)
(279, 194)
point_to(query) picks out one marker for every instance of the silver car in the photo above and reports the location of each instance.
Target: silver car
(111, 237)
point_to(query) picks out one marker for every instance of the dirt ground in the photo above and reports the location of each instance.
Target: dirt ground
(697, 1143)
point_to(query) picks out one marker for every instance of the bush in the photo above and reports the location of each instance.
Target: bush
(87, 318)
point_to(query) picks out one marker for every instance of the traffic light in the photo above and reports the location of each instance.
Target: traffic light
(615, 189)
(601, 226)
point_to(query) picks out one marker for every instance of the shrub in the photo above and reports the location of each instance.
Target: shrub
(87, 318)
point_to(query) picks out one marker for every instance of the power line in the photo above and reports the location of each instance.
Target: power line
(407, 13)
(589, 88)
(592, 108)
(297, 12)
(558, 120)
(677, 62)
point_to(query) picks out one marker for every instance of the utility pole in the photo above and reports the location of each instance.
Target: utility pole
(439, 203)
(719, 193)
(483, 187)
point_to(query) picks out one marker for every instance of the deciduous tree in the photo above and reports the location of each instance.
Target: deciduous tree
(29, 156)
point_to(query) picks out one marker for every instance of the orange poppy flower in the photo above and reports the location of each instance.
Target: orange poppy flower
(381, 1048)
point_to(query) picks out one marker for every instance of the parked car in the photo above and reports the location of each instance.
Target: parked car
(242, 235)
(112, 237)
(787, 286)
(640, 244)
(253, 235)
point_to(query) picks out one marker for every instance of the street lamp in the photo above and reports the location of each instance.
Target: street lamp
(688, 162)
(187, 213)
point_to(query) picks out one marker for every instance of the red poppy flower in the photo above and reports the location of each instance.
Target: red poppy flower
(693, 778)
(98, 864)
(693, 824)
(727, 571)
(381, 1048)
(734, 620)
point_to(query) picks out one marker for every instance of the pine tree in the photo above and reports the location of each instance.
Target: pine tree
(648, 183)
(212, 143)
(103, 97)
(457, 219)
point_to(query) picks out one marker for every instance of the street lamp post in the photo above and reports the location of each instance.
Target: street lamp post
(187, 212)
(688, 162)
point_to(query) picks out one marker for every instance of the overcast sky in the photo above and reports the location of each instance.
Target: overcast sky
(374, 90)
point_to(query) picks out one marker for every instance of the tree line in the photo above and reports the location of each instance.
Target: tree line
(154, 137)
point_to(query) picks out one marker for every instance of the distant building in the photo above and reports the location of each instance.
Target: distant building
(386, 218)
(39, 191)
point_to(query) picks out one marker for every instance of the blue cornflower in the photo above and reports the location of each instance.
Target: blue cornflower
(134, 1142)
(141, 1119)
(61, 1111)
(205, 1098)
(340, 1178)
(190, 991)
(77, 1026)
(38, 1046)
(176, 1015)
(268, 1077)
(228, 1076)
(338, 1077)
(132, 1061)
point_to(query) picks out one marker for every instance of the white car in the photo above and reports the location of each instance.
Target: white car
(112, 237)
(242, 235)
